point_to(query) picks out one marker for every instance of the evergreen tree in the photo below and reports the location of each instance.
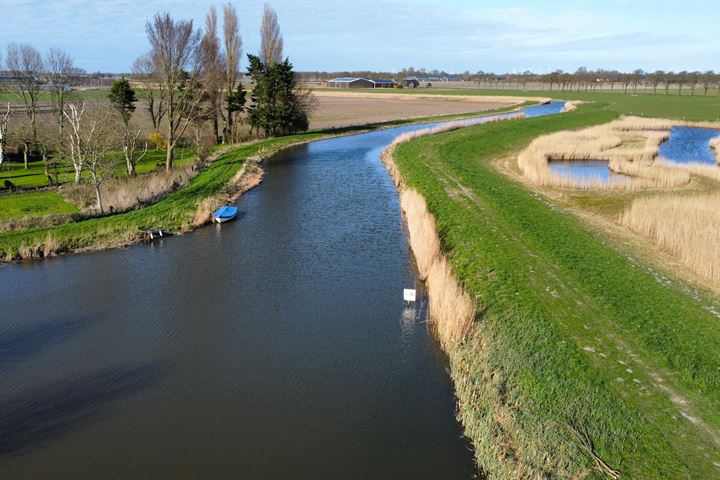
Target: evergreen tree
(278, 106)
(235, 104)
(122, 97)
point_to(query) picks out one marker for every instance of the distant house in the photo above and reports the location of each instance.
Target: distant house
(426, 82)
(353, 82)
(8, 79)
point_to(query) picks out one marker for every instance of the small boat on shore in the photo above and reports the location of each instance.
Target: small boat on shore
(224, 214)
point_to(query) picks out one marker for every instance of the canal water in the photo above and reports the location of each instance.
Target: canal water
(271, 347)
(689, 145)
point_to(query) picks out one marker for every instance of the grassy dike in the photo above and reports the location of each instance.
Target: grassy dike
(580, 361)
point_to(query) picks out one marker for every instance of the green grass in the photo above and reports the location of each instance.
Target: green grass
(34, 175)
(672, 106)
(35, 204)
(561, 309)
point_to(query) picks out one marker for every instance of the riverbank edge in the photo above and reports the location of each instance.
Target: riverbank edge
(427, 251)
(45, 244)
(491, 418)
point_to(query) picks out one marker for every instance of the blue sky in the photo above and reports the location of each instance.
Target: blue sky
(453, 35)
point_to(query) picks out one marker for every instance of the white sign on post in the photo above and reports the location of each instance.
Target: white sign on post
(409, 295)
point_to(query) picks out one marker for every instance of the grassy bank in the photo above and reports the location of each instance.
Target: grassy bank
(690, 108)
(580, 360)
(176, 212)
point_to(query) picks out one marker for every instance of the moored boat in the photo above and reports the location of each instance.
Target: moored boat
(224, 214)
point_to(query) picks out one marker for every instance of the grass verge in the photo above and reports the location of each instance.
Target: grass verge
(580, 361)
(33, 204)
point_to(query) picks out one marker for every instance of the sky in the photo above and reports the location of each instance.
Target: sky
(451, 35)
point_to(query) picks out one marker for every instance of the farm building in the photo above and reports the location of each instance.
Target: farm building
(351, 82)
(426, 82)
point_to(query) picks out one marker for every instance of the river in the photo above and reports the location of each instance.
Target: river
(271, 347)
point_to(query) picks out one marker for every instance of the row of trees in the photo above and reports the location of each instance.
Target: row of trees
(660, 81)
(585, 80)
(34, 74)
(188, 81)
(190, 78)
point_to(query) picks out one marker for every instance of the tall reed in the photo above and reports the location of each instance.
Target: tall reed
(685, 226)
(715, 146)
(612, 143)
(452, 310)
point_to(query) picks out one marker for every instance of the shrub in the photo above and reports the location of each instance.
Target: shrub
(158, 139)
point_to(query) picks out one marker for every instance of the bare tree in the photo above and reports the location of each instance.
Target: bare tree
(233, 52)
(175, 53)
(74, 150)
(271, 41)
(129, 146)
(25, 65)
(91, 137)
(60, 68)
(4, 123)
(146, 73)
(212, 70)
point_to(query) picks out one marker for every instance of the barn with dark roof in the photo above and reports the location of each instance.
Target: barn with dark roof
(356, 82)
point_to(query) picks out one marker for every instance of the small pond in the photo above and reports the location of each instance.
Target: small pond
(689, 145)
(586, 171)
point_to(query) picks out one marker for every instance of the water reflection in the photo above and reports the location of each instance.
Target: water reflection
(689, 144)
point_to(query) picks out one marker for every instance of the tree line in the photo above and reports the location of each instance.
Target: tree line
(187, 82)
(657, 82)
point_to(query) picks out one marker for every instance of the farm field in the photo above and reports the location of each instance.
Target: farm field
(341, 109)
(671, 106)
(577, 344)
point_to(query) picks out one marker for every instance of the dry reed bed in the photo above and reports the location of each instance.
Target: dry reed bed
(685, 226)
(121, 194)
(571, 105)
(715, 145)
(248, 177)
(608, 143)
(126, 193)
(452, 310)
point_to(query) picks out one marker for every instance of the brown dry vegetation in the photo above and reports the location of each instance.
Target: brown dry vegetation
(629, 144)
(124, 193)
(452, 310)
(685, 226)
(715, 145)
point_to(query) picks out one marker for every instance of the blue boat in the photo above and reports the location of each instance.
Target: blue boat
(224, 214)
